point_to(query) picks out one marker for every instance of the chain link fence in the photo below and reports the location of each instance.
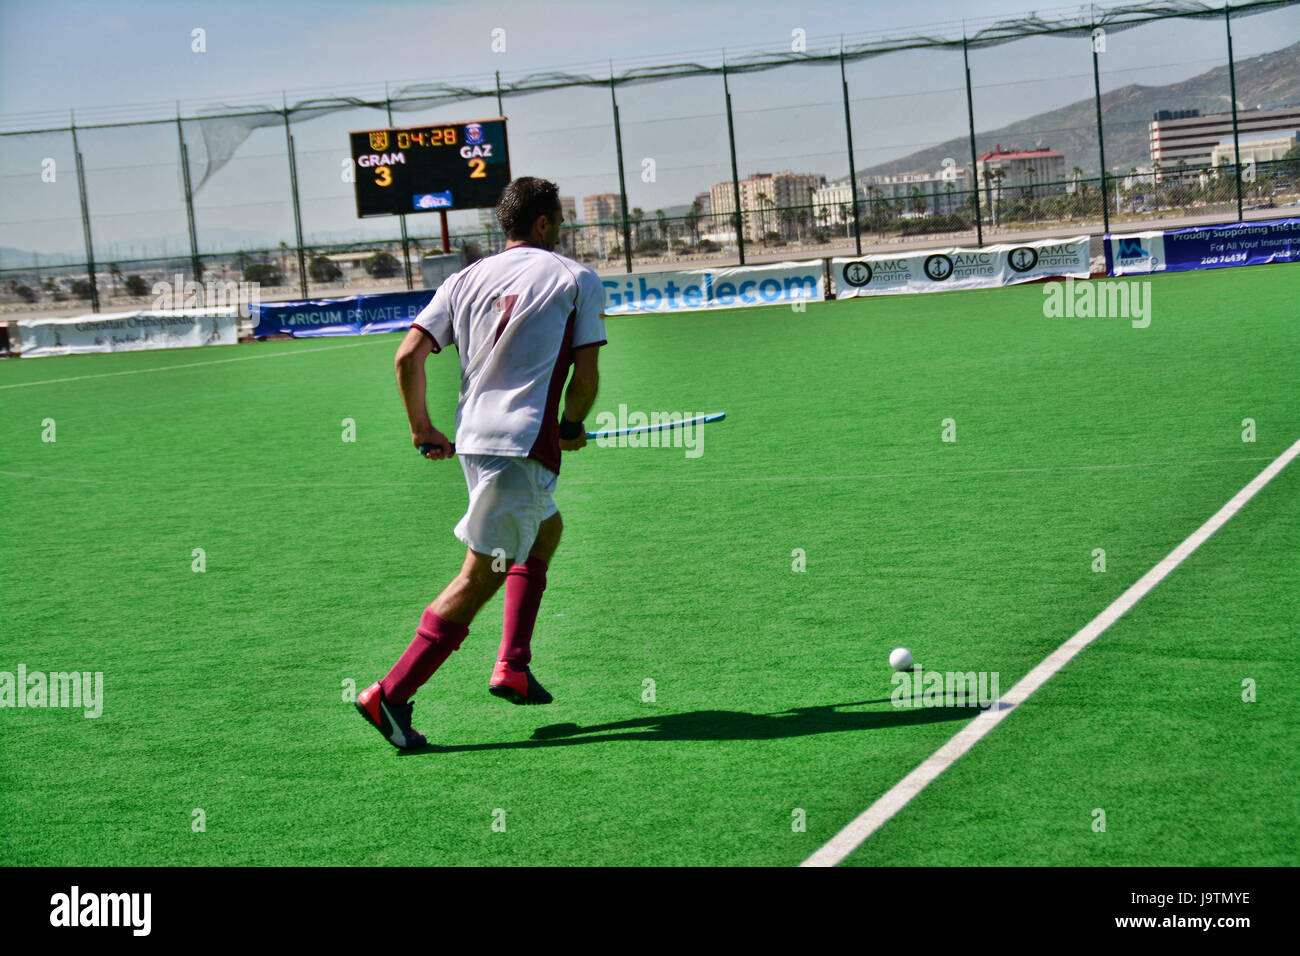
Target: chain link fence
(837, 146)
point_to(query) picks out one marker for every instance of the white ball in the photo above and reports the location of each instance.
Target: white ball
(900, 658)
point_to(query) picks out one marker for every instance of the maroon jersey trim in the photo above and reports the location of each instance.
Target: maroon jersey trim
(546, 449)
(436, 347)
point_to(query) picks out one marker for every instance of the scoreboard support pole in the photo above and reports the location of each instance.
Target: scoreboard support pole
(446, 239)
(406, 240)
(406, 254)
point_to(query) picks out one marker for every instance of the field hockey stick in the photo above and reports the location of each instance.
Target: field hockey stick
(697, 420)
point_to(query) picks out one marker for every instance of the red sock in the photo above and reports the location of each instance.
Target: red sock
(434, 641)
(524, 586)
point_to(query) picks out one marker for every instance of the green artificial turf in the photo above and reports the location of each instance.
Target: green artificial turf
(224, 690)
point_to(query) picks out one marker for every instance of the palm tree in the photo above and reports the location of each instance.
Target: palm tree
(1030, 172)
(917, 200)
(993, 183)
(693, 221)
(661, 220)
(787, 217)
(765, 205)
(635, 218)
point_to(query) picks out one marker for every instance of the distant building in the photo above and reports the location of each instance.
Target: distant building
(599, 237)
(913, 194)
(1188, 136)
(603, 208)
(722, 207)
(833, 203)
(922, 194)
(1255, 148)
(569, 231)
(487, 220)
(1015, 172)
(1140, 177)
(770, 201)
(704, 204)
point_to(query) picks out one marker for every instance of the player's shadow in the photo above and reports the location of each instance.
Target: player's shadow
(727, 725)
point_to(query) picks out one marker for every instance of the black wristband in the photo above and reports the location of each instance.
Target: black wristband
(571, 430)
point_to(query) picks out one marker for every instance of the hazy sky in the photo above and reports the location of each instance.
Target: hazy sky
(114, 61)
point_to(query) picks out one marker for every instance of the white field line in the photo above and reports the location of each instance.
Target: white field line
(169, 368)
(898, 796)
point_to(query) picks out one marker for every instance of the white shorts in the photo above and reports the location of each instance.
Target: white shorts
(508, 499)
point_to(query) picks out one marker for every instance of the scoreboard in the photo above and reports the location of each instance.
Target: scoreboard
(430, 168)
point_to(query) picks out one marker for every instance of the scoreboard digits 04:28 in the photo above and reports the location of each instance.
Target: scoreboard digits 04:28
(430, 168)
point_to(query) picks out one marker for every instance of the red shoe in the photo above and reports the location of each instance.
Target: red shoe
(391, 720)
(517, 686)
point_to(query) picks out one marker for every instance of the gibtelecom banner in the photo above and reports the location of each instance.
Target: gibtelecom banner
(938, 270)
(695, 290)
(1204, 247)
(354, 315)
(128, 331)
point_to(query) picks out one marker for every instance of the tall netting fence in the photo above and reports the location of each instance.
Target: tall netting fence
(1095, 118)
(911, 138)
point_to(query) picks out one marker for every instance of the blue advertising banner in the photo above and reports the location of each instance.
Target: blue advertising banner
(354, 315)
(1204, 247)
(725, 287)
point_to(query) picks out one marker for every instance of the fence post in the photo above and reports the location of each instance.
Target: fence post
(406, 242)
(853, 169)
(85, 218)
(735, 173)
(1236, 140)
(195, 264)
(622, 182)
(293, 189)
(1101, 137)
(974, 163)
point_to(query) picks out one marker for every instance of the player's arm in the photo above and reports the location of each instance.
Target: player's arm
(581, 393)
(411, 382)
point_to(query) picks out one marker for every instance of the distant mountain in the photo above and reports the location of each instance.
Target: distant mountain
(11, 258)
(1072, 130)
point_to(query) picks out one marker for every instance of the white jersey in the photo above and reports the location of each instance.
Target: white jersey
(515, 318)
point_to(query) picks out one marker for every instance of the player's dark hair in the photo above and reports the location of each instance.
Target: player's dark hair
(523, 201)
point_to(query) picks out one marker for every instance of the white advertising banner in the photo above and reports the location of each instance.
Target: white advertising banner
(727, 287)
(938, 270)
(128, 331)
